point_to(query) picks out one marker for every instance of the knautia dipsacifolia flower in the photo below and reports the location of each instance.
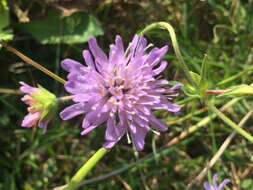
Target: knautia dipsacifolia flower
(121, 90)
(214, 185)
(42, 106)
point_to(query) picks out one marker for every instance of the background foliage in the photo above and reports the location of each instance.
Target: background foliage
(49, 31)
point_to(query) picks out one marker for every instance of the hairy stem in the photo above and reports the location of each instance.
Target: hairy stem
(169, 28)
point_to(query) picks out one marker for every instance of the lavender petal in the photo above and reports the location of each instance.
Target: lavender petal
(88, 59)
(226, 181)
(98, 54)
(71, 65)
(139, 137)
(31, 119)
(207, 186)
(157, 124)
(27, 88)
(215, 177)
(109, 144)
(74, 110)
(160, 68)
(43, 124)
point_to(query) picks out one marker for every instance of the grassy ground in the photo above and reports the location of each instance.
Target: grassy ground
(221, 29)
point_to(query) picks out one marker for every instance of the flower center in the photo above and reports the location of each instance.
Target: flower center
(117, 87)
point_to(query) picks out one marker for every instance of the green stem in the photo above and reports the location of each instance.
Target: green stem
(84, 170)
(229, 122)
(167, 26)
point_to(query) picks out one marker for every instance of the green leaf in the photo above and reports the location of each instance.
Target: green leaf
(72, 29)
(204, 83)
(6, 35)
(189, 90)
(247, 183)
(4, 14)
(4, 22)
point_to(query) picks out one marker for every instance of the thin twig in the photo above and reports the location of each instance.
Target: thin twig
(10, 91)
(31, 62)
(124, 183)
(219, 152)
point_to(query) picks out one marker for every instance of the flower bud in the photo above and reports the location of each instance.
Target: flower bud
(42, 106)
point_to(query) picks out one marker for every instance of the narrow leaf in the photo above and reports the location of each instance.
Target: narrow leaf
(204, 83)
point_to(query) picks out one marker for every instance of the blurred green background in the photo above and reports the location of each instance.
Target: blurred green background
(48, 31)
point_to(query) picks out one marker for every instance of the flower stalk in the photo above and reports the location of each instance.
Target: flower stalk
(84, 170)
(65, 98)
(167, 26)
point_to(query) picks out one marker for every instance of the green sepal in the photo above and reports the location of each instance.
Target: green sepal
(44, 96)
(195, 77)
(173, 82)
(49, 111)
(46, 101)
(189, 90)
(38, 106)
(201, 82)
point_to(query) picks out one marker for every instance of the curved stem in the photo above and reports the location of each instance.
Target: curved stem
(167, 26)
(84, 170)
(229, 122)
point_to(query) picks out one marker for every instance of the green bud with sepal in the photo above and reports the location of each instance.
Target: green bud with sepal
(42, 106)
(47, 101)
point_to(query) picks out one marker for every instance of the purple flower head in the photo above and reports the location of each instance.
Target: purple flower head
(42, 104)
(121, 89)
(214, 185)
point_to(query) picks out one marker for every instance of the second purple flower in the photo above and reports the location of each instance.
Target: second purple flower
(121, 89)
